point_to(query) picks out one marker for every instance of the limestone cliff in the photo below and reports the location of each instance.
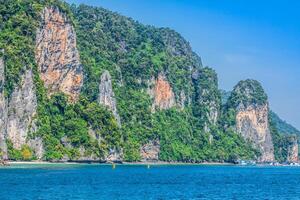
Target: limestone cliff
(150, 151)
(252, 124)
(162, 94)
(21, 110)
(3, 111)
(292, 154)
(107, 96)
(57, 56)
(252, 117)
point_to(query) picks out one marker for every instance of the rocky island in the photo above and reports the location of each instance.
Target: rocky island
(80, 83)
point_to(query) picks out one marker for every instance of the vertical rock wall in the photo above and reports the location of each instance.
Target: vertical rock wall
(3, 111)
(21, 110)
(293, 151)
(57, 56)
(252, 117)
(107, 96)
(252, 123)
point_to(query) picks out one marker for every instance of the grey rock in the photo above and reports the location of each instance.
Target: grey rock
(107, 95)
(3, 111)
(21, 110)
(292, 156)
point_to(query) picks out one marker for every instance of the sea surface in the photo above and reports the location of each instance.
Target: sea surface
(68, 181)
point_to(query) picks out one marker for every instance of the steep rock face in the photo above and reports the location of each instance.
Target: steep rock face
(150, 151)
(21, 110)
(293, 150)
(252, 117)
(107, 96)
(57, 56)
(252, 124)
(3, 111)
(162, 94)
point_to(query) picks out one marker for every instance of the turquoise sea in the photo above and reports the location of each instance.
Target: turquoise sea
(61, 181)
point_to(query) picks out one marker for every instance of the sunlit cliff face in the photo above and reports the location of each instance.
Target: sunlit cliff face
(252, 123)
(57, 56)
(164, 97)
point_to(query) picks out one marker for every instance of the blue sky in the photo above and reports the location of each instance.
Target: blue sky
(258, 39)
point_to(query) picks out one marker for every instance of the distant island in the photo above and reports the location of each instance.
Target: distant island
(84, 84)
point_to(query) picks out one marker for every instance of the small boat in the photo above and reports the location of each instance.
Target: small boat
(246, 162)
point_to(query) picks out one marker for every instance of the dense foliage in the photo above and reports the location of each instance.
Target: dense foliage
(65, 128)
(281, 141)
(248, 92)
(282, 126)
(25, 153)
(59, 123)
(134, 55)
(207, 98)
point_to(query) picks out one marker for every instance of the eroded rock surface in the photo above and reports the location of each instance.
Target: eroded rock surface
(252, 123)
(162, 94)
(21, 110)
(3, 111)
(107, 95)
(252, 117)
(150, 151)
(293, 151)
(57, 56)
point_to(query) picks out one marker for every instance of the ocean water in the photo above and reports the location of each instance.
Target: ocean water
(60, 181)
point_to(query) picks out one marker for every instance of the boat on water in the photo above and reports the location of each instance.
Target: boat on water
(246, 162)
